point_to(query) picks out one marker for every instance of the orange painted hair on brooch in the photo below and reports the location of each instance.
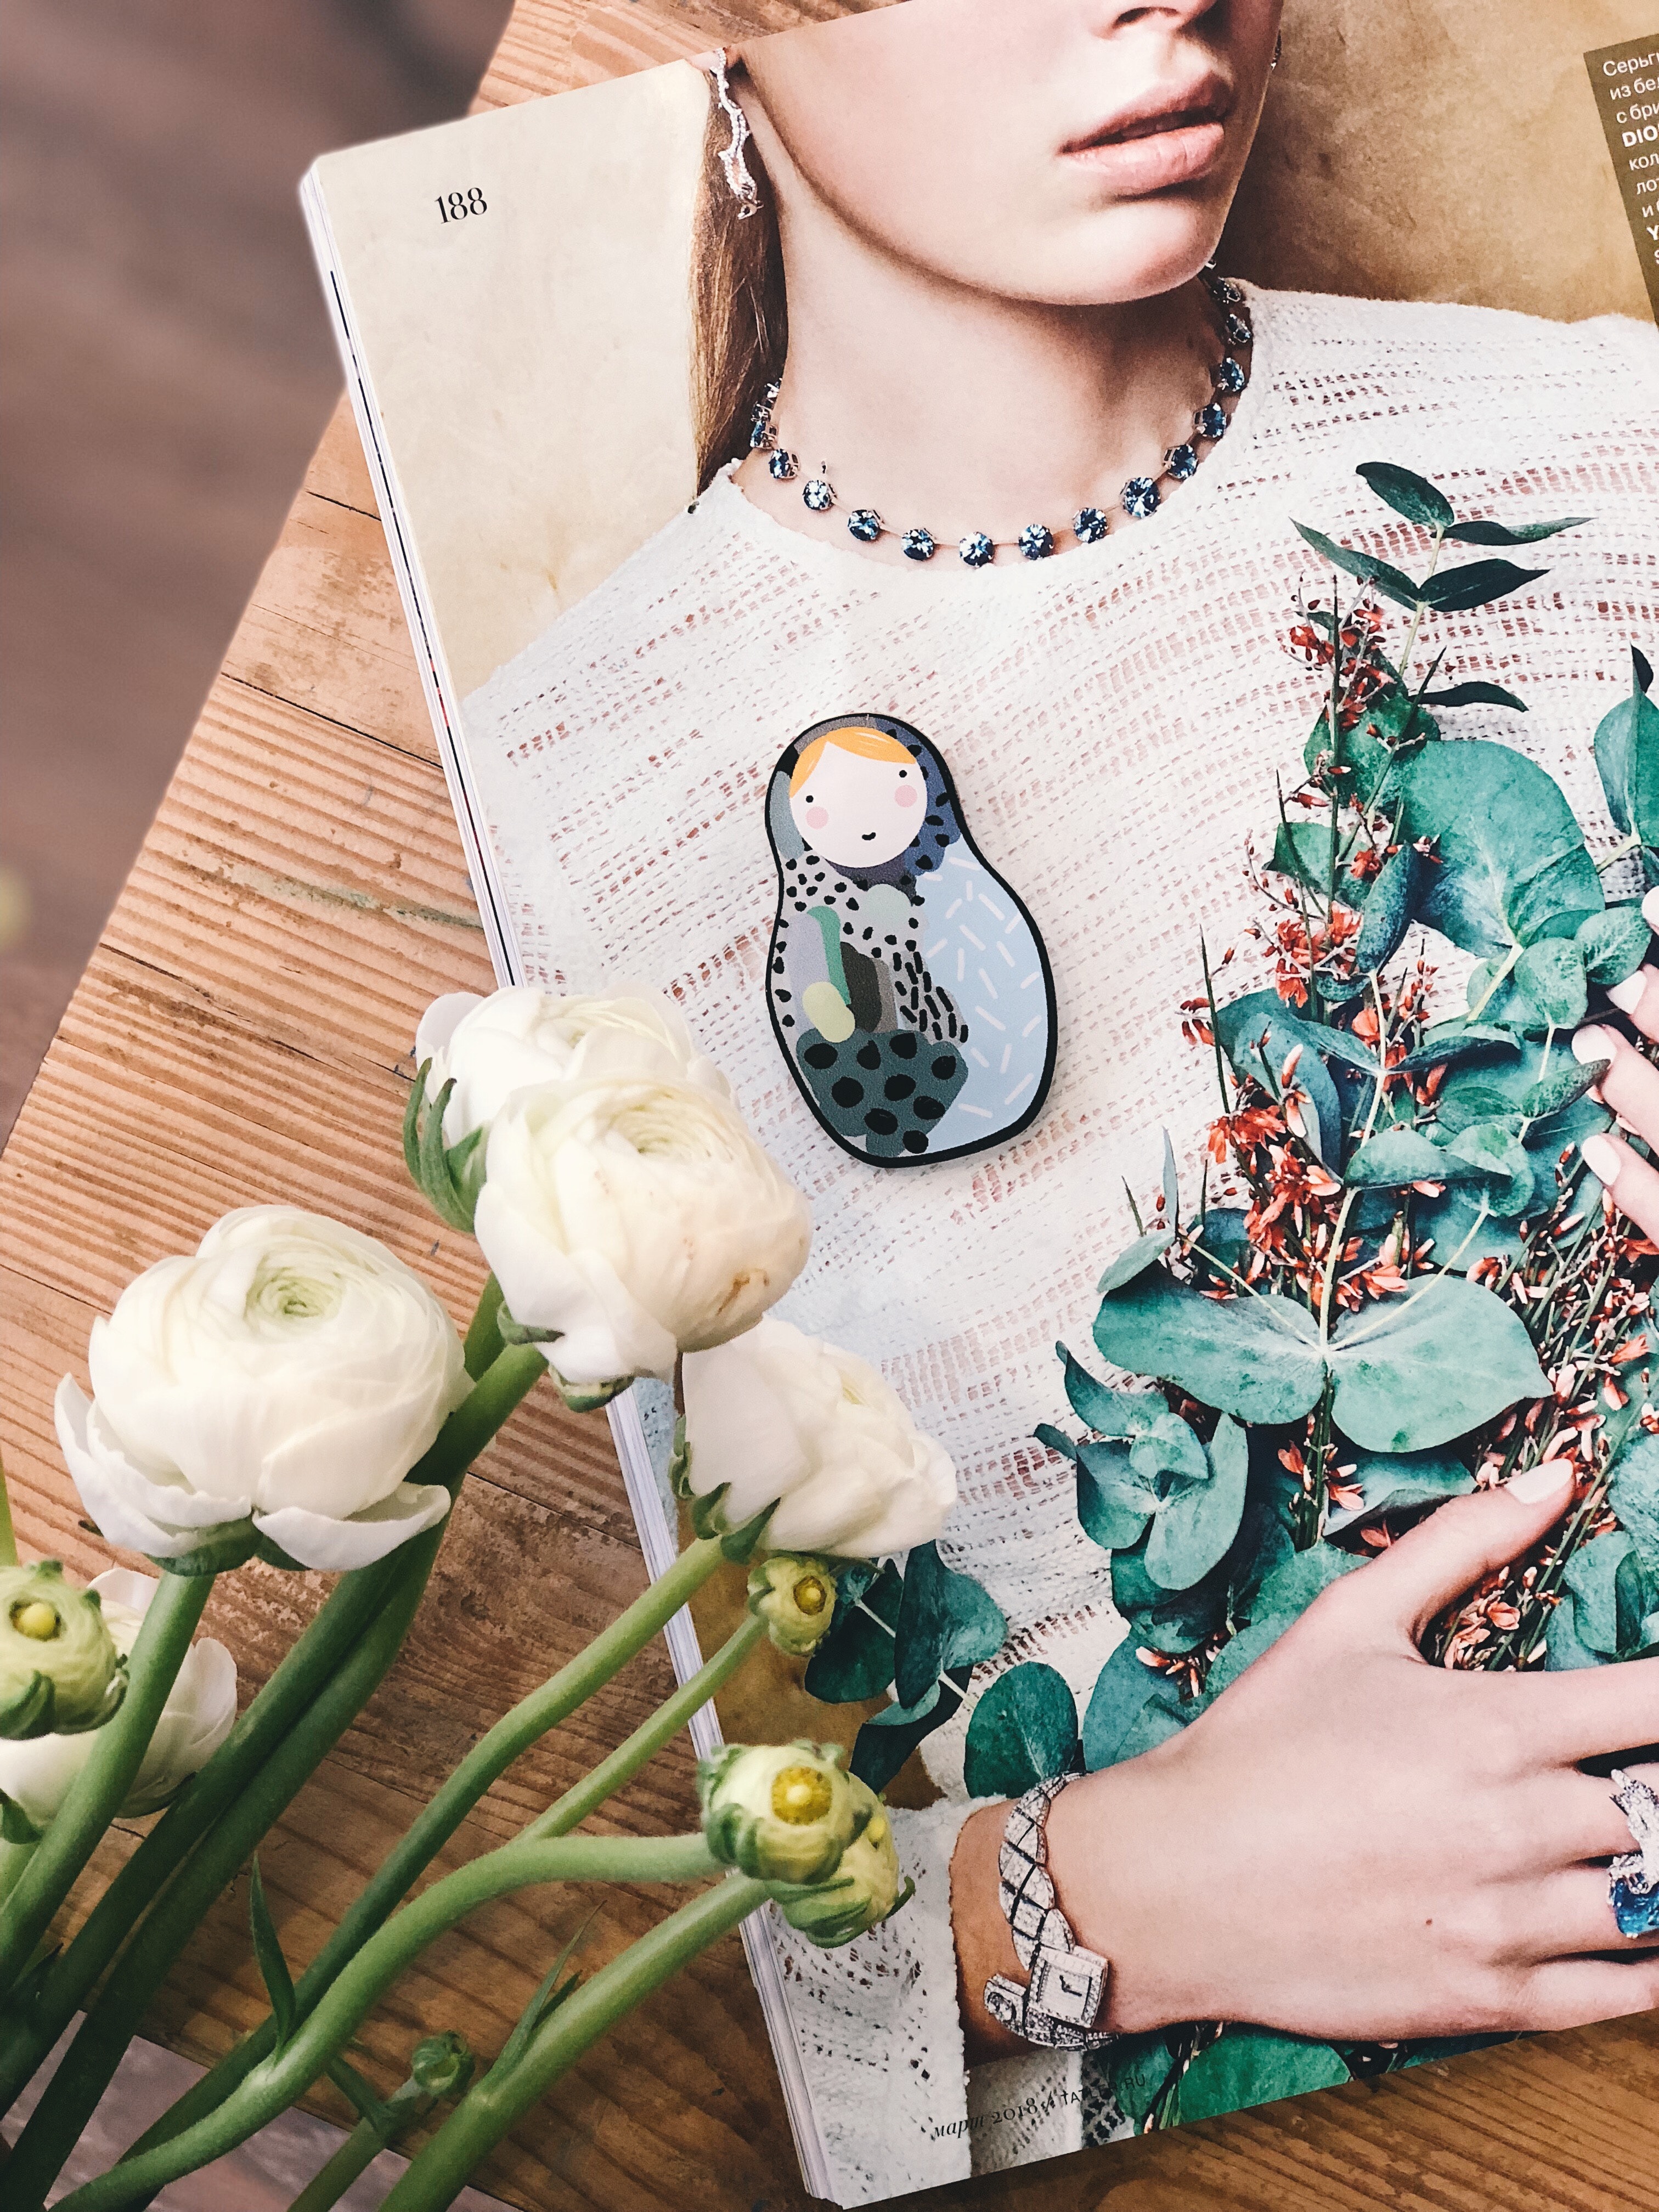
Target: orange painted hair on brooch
(868, 744)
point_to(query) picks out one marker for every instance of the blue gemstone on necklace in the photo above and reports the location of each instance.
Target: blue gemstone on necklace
(1228, 375)
(977, 548)
(760, 436)
(918, 544)
(781, 466)
(1088, 525)
(865, 524)
(819, 494)
(1139, 497)
(1221, 288)
(1238, 330)
(1036, 541)
(1211, 421)
(1181, 462)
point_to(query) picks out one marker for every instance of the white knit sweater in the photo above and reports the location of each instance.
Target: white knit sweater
(1114, 718)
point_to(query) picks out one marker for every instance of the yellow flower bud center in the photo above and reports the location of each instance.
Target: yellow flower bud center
(876, 1832)
(800, 1794)
(36, 1618)
(811, 1594)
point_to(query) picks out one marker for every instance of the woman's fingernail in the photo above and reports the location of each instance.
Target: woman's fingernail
(1602, 1158)
(1592, 1043)
(1539, 1483)
(1627, 995)
(1650, 911)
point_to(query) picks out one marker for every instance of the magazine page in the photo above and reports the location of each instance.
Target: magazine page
(1075, 586)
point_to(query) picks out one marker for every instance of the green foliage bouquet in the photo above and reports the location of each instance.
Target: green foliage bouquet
(1400, 1281)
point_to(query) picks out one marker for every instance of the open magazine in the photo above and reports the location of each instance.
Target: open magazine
(1138, 774)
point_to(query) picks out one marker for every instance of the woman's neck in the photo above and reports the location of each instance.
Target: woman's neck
(951, 408)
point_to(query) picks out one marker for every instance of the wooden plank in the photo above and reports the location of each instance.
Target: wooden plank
(241, 1035)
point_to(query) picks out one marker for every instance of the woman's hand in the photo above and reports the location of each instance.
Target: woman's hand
(1352, 1843)
(1631, 1087)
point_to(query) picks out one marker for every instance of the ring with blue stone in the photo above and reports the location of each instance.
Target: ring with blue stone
(1633, 1878)
(977, 548)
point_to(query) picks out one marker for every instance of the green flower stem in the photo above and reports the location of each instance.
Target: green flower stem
(487, 2112)
(88, 2065)
(529, 1720)
(484, 1345)
(288, 2073)
(8, 1538)
(95, 1795)
(355, 2156)
(13, 1858)
(30, 2030)
(663, 1725)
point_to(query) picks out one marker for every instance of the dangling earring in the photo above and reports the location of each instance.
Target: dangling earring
(1279, 50)
(741, 185)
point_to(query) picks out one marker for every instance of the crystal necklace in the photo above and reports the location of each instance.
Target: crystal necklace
(1140, 496)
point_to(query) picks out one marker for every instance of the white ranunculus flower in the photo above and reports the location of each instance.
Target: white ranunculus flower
(638, 1218)
(776, 1414)
(290, 1370)
(524, 1035)
(199, 1714)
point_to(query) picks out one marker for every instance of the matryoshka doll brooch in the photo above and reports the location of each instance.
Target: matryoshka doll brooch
(908, 985)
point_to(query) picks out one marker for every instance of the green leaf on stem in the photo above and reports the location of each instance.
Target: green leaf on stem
(268, 1950)
(1408, 494)
(1381, 575)
(1521, 533)
(1194, 1527)
(1565, 1088)
(1613, 1596)
(1129, 1701)
(1256, 1358)
(1259, 1037)
(1456, 1044)
(1401, 1156)
(1140, 1256)
(1112, 1508)
(1474, 695)
(1254, 2066)
(1396, 1482)
(1551, 973)
(1173, 1622)
(1385, 911)
(1614, 944)
(1430, 1367)
(1107, 1412)
(1627, 759)
(1633, 1494)
(855, 1659)
(888, 1738)
(1493, 1150)
(945, 1620)
(1022, 1730)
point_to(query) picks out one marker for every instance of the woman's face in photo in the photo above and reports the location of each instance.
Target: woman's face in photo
(1071, 152)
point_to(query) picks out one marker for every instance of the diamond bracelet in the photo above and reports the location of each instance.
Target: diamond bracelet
(1057, 2007)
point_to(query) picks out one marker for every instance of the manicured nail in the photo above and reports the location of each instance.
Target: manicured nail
(1627, 995)
(1650, 911)
(1602, 1158)
(1592, 1043)
(1539, 1483)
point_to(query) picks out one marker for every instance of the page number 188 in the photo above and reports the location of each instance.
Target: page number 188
(455, 207)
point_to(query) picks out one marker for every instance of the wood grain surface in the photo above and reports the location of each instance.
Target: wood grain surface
(241, 1035)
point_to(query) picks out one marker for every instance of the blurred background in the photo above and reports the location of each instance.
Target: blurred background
(164, 372)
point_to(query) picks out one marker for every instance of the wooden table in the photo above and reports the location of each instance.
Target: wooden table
(241, 1035)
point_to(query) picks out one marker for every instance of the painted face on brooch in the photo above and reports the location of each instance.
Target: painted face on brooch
(908, 986)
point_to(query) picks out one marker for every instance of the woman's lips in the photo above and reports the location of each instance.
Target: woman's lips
(1174, 151)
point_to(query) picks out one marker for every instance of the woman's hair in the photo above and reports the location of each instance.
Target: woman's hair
(868, 744)
(739, 319)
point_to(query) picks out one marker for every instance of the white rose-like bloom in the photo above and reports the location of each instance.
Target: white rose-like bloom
(638, 1218)
(523, 1035)
(291, 1371)
(777, 1414)
(199, 1714)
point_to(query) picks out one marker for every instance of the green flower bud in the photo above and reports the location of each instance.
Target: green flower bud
(795, 1595)
(780, 1812)
(441, 2066)
(59, 1670)
(865, 1890)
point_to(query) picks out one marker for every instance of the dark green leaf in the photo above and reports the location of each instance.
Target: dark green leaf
(1564, 1089)
(1195, 1527)
(1263, 1546)
(1476, 584)
(1454, 1044)
(1594, 1575)
(1551, 973)
(1171, 1185)
(1170, 1621)
(1256, 1358)
(945, 1620)
(1112, 1511)
(1614, 944)
(1497, 1153)
(1400, 1156)
(1511, 866)
(1258, 1037)
(1125, 1689)
(1408, 494)
(1394, 583)
(268, 1950)
(1169, 1450)
(1474, 695)
(1254, 2066)
(1107, 1412)
(1461, 1229)
(855, 1659)
(1633, 1494)
(1244, 1649)
(1491, 1093)
(1141, 1255)
(1523, 533)
(1301, 850)
(1627, 757)
(1565, 1650)
(1397, 1482)
(888, 1738)
(1430, 1367)
(1022, 1730)
(1385, 909)
(1292, 1588)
